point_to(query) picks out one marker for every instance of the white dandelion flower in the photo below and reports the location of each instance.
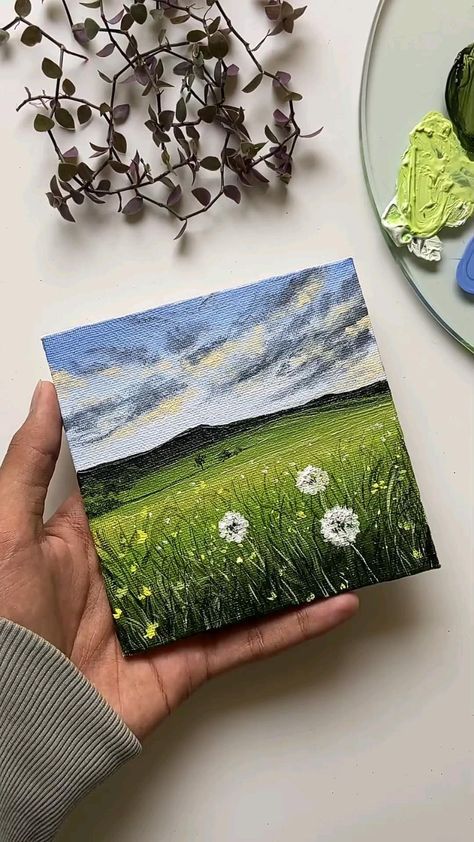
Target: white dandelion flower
(233, 527)
(340, 526)
(312, 480)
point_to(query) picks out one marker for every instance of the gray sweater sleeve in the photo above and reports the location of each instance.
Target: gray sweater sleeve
(58, 737)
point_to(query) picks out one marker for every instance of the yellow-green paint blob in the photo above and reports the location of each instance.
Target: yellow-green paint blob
(435, 187)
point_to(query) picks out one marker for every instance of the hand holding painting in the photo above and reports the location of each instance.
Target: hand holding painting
(51, 586)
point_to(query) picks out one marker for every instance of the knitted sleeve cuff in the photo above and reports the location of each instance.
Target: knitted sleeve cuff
(58, 737)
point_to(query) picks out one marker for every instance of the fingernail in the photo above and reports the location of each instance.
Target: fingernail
(36, 396)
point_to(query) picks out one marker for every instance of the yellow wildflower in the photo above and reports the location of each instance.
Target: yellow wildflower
(121, 592)
(146, 592)
(150, 631)
(141, 536)
(300, 514)
(133, 568)
(117, 613)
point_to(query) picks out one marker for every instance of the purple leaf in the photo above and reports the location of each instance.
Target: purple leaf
(232, 70)
(174, 197)
(118, 17)
(134, 206)
(280, 118)
(106, 51)
(71, 154)
(313, 134)
(182, 230)
(120, 113)
(80, 34)
(282, 78)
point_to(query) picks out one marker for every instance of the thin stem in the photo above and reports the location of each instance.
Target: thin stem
(68, 13)
(58, 82)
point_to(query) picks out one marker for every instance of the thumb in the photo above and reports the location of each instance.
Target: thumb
(31, 457)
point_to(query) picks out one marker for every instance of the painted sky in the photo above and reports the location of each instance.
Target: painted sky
(130, 384)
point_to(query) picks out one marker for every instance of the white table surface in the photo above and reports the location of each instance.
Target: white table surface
(366, 734)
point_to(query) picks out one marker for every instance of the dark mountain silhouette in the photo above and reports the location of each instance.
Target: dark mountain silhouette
(123, 473)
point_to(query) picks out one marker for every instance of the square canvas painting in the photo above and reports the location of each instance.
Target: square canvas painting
(238, 453)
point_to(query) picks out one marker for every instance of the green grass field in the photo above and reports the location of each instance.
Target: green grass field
(168, 571)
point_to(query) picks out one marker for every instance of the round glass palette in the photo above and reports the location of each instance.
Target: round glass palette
(411, 49)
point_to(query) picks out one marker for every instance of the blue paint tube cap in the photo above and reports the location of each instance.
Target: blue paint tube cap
(465, 272)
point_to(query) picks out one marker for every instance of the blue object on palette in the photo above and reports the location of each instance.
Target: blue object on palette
(465, 272)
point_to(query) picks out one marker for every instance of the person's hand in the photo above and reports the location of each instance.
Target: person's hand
(50, 583)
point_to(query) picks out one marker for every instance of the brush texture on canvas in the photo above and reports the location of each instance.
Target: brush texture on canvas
(238, 453)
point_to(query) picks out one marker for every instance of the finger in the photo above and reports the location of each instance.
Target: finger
(71, 519)
(31, 457)
(268, 637)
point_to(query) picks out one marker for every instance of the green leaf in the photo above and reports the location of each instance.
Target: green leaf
(68, 87)
(126, 22)
(139, 12)
(218, 45)
(51, 69)
(298, 12)
(214, 25)
(23, 8)
(4, 36)
(271, 136)
(202, 195)
(232, 192)
(166, 119)
(65, 212)
(31, 36)
(91, 27)
(181, 110)
(195, 35)
(85, 172)
(253, 85)
(292, 96)
(119, 142)
(211, 163)
(119, 167)
(43, 123)
(84, 114)
(64, 118)
(207, 113)
(66, 171)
